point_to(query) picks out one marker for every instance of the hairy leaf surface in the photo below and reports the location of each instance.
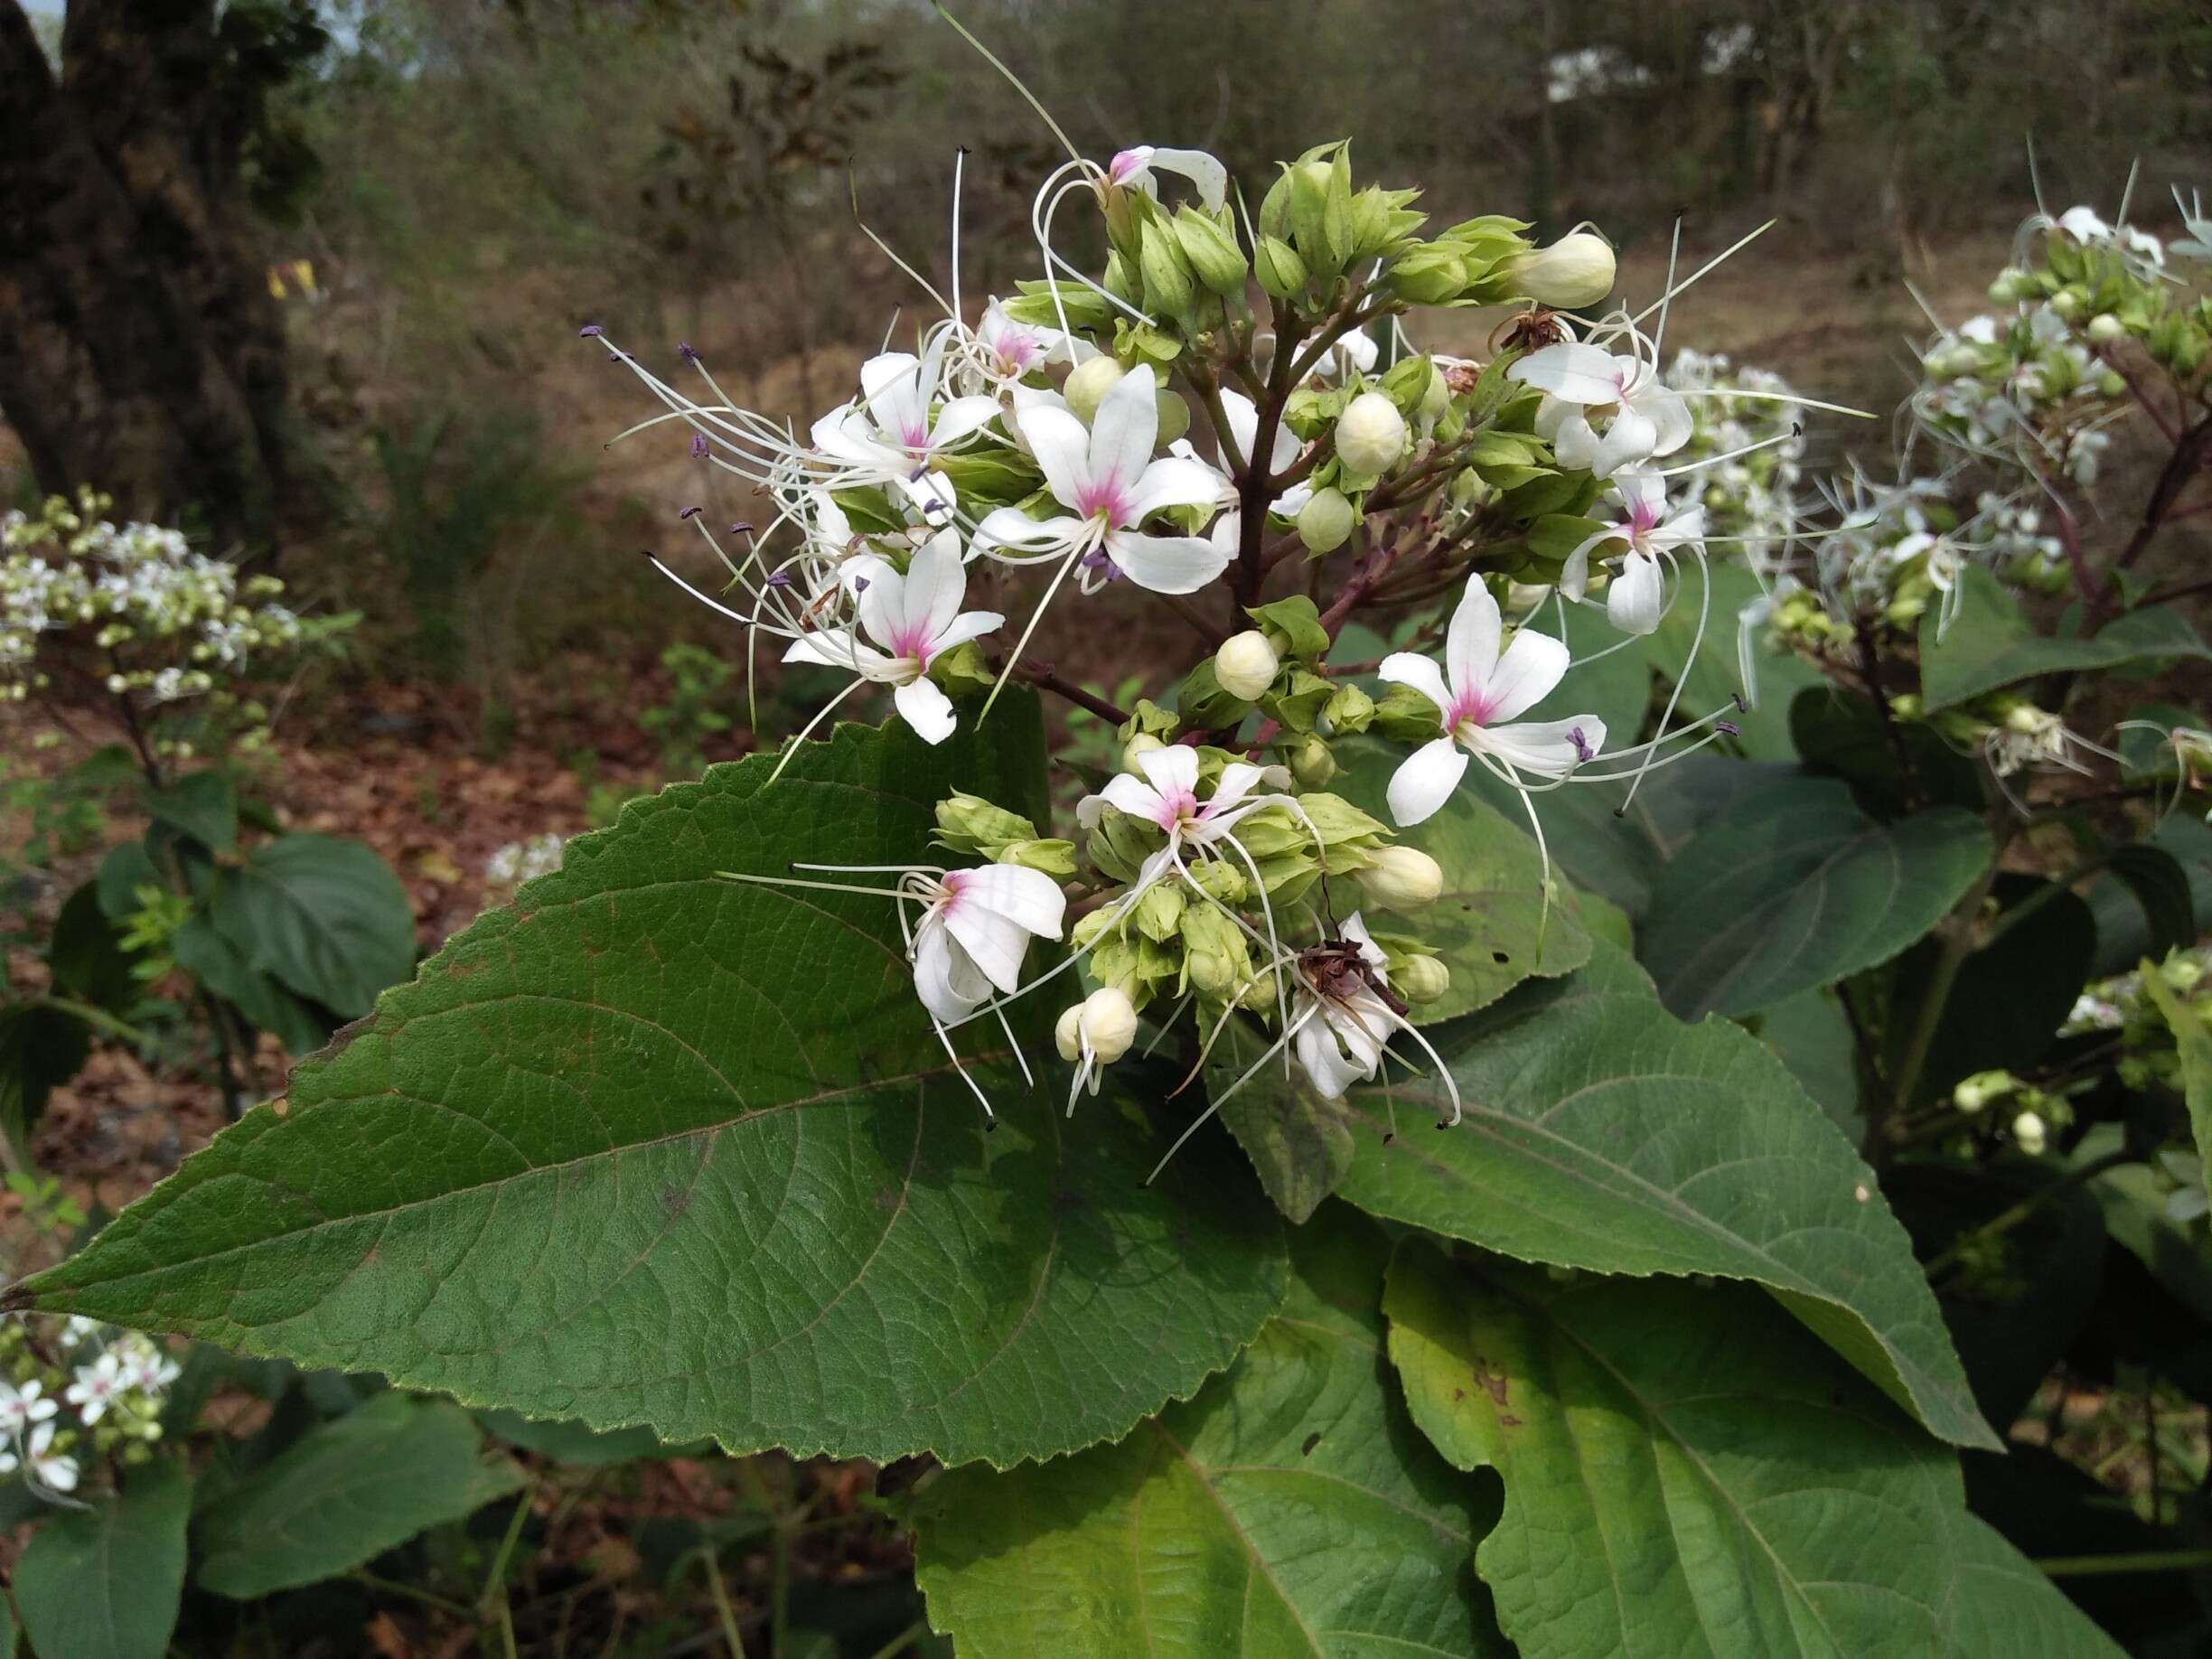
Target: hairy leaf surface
(657, 1148)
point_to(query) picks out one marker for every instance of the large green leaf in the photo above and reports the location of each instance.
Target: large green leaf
(327, 917)
(1290, 1509)
(1991, 644)
(1706, 662)
(2193, 1043)
(1798, 887)
(104, 1582)
(657, 1148)
(203, 806)
(1602, 1133)
(219, 966)
(1686, 1475)
(345, 1493)
(41, 1048)
(2123, 928)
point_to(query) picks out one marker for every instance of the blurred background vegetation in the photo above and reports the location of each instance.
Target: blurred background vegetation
(319, 299)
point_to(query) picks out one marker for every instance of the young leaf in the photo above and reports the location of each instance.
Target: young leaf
(326, 917)
(658, 1148)
(1686, 1473)
(1289, 1509)
(105, 1582)
(1796, 887)
(345, 1493)
(1601, 1133)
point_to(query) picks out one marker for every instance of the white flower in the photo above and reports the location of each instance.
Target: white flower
(95, 1387)
(974, 930)
(913, 619)
(1401, 878)
(22, 1407)
(1094, 1034)
(890, 435)
(1477, 694)
(48, 1467)
(1635, 598)
(1110, 482)
(1648, 419)
(1167, 796)
(1243, 421)
(1343, 1022)
(1135, 166)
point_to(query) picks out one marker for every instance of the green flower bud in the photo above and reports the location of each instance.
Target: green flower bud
(970, 824)
(2011, 286)
(1348, 710)
(1216, 958)
(1401, 878)
(1174, 416)
(2067, 302)
(2029, 1133)
(1430, 275)
(1421, 978)
(1245, 664)
(1212, 252)
(1371, 435)
(1312, 765)
(1159, 911)
(1170, 284)
(1050, 857)
(2111, 383)
(1090, 382)
(1325, 522)
(1281, 271)
(1575, 272)
(1143, 743)
(1972, 1094)
(2106, 329)
(1222, 880)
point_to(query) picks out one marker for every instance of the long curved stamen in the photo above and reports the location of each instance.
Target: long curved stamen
(1280, 1043)
(1697, 643)
(792, 748)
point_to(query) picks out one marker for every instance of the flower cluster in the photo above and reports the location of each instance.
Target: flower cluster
(71, 1392)
(134, 610)
(1748, 429)
(1267, 465)
(518, 862)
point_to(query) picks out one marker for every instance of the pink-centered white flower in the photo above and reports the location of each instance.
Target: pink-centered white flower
(20, 1407)
(1479, 693)
(1167, 796)
(897, 429)
(50, 1468)
(1643, 416)
(911, 620)
(95, 1387)
(1341, 1027)
(1136, 169)
(973, 930)
(1109, 482)
(1649, 534)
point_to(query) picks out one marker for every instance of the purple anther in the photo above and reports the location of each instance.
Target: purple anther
(687, 351)
(698, 446)
(1728, 728)
(690, 512)
(1583, 752)
(779, 579)
(590, 330)
(744, 527)
(860, 585)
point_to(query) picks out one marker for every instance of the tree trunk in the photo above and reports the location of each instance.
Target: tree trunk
(140, 350)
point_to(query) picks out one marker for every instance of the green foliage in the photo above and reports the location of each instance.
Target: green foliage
(104, 1582)
(345, 1493)
(586, 1097)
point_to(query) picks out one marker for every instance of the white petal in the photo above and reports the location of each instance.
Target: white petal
(1533, 664)
(1174, 483)
(1010, 527)
(1171, 769)
(1572, 373)
(961, 417)
(1122, 434)
(1545, 747)
(994, 943)
(1244, 424)
(1627, 441)
(1238, 779)
(1062, 448)
(936, 583)
(1029, 899)
(1638, 595)
(829, 647)
(1166, 564)
(1642, 490)
(1424, 781)
(1134, 796)
(926, 707)
(1669, 413)
(1471, 646)
(1405, 667)
(1324, 1065)
(947, 980)
(1210, 177)
(968, 625)
(1575, 445)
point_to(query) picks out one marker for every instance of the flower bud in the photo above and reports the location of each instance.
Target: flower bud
(1312, 765)
(1574, 272)
(1371, 435)
(1143, 743)
(1325, 522)
(1106, 1020)
(2106, 329)
(1212, 252)
(1348, 711)
(2029, 1133)
(1170, 284)
(2111, 383)
(1432, 275)
(1973, 1095)
(2011, 283)
(1089, 383)
(1245, 664)
(1214, 955)
(1401, 878)
(1421, 978)
(1173, 416)
(1277, 264)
